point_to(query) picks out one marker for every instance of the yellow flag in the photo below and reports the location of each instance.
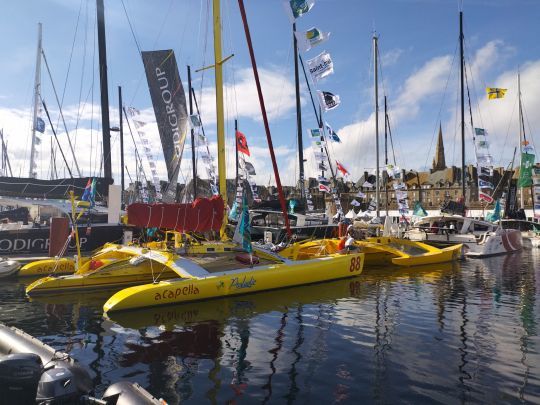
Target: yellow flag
(495, 92)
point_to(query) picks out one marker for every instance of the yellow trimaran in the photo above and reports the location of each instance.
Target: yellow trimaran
(183, 269)
(202, 271)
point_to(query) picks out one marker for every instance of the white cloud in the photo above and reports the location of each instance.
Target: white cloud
(391, 57)
(277, 87)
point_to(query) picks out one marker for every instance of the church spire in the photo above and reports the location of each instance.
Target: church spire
(439, 162)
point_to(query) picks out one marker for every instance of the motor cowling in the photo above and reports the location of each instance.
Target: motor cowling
(57, 386)
(19, 378)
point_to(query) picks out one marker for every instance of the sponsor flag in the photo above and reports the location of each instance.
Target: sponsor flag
(89, 193)
(319, 156)
(496, 214)
(297, 8)
(328, 100)
(367, 184)
(319, 144)
(169, 102)
(486, 171)
(195, 121)
(315, 133)
(419, 211)
(324, 188)
(495, 92)
(322, 166)
(332, 134)
(241, 143)
(485, 197)
(342, 169)
(250, 168)
(242, 234)
(320, 66)
(360, 195)
(525, 171)
(484, 184)
(310, 38)
(480, 131)
(355, 203)
(40, 125)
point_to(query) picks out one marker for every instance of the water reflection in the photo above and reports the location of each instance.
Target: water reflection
(466, 332)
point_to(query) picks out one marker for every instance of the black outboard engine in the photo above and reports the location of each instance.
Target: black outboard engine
(57, 386)
(19, 378)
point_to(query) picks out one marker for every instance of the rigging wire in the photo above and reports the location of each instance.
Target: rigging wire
(69, 62)
(439, 114)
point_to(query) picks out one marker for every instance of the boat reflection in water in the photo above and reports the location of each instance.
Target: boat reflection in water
(472, 327)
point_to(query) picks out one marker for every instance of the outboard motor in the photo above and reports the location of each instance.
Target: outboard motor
(19, 378)
(57, 386)
(126, 393)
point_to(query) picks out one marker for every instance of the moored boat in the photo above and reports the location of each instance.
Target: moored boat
(219, 275)
(479, 238)
(8, 267)
(384, 251)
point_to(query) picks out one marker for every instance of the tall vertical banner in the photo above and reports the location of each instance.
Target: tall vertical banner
(525, 170)
(170, 109)
(484, 166)
(536, 191)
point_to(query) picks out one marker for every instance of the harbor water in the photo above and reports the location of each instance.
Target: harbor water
(465, 332)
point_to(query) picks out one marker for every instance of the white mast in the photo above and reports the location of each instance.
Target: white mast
(521, 141)
(37, 89)
(377, 182)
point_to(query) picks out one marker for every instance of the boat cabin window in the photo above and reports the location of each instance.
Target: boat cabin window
(273, 219)
(480, 228)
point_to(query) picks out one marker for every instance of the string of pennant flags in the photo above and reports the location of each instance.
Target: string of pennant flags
(484, 165)
(320, 66)
(141, 127)
(246, 170)
(203, 151)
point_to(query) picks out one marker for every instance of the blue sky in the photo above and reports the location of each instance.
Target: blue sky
(418, 39)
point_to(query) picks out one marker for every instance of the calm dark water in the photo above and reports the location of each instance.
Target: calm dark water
(448, 334)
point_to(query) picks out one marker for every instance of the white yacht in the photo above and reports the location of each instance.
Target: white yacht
(479, 238)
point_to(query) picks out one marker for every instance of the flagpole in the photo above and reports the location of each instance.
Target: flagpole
(462, 67)
(376, 78)
(37, 89)
(265, 118)
(386, 152)
(194, 162)
(298, 115)
(521, 142)
(236, 152)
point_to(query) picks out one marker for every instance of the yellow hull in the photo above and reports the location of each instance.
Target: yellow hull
(410, 253)
(239, 281)
(381, 251)
(41, 268)
(116, 270)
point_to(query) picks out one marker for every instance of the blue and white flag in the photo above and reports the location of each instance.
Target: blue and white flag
(328, 100)
(297, 8)
(40, 125)
(320, 66)
(331, 134)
